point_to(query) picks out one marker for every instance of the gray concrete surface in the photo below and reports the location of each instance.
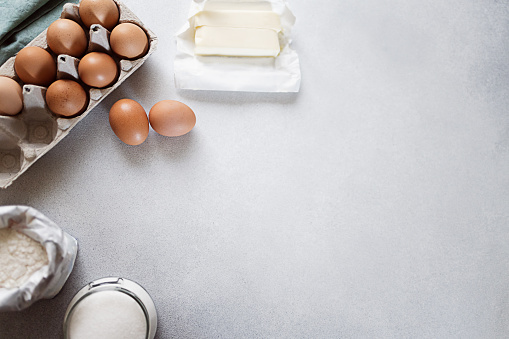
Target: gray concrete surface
(373, 204)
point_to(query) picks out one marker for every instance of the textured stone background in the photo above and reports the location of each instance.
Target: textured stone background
(373, 204)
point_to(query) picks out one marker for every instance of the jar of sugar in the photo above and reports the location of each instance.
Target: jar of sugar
(111, 308)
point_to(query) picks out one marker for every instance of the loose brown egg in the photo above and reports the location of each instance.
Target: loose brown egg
(35, 66)
(66, 98)
(102, 12)
(129, 41)
(129, 121)
(171, 118)
(97, 69)
(65, 36)
(11, 97)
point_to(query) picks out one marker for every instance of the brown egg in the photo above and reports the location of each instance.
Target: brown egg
(97, 69)
(65, 36)
(129, 41)
(171, 118)
(35, 66)
(11, 96)
(66, 98)
(102, 12)
(129, 121)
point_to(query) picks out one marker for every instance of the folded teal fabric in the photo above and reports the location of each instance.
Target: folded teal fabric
(22, 20)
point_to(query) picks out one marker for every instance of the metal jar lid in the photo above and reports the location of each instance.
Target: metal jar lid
(121, 285)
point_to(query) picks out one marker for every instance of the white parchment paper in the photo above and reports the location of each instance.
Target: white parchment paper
(280, 74)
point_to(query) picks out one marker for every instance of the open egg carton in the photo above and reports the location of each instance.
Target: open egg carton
(27, 136)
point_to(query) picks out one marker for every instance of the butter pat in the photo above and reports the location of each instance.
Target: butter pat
(241, 29)
(238, 19)
(213, 5)
(237, 45)
(233, 41)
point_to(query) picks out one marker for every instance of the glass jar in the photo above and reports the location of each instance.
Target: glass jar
(111, 307)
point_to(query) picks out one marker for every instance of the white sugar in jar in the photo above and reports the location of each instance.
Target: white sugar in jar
(111, 308)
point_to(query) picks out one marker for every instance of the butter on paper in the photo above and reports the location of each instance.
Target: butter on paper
(248, 42)
(260, 73)
(239, 18)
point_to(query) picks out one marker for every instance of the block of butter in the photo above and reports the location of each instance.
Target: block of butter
(237, 45)
(237, 31)
(233, 41)
(239, 19)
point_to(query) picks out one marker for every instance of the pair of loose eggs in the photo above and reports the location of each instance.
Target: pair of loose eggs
(129, 121)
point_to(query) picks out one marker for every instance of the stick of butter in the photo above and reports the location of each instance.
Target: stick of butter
(237, 45)
(213, 5)
(239, 19)
(233, 41)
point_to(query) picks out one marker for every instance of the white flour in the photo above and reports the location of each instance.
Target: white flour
(20, 257)
(108, 314)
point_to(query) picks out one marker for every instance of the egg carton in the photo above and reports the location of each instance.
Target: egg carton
(26, 137)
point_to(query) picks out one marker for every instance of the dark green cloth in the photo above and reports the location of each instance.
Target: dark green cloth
(22, 20)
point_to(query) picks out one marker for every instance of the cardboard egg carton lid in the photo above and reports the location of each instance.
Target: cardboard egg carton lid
(26, 137)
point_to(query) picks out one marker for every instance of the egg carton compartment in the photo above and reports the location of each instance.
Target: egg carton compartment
(11, 155)
(35, 127)
(41, 125)
(26, 137)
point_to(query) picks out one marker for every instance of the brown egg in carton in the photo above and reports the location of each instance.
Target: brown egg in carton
(27, 136)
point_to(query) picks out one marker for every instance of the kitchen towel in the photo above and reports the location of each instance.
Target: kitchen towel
(22, 20)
